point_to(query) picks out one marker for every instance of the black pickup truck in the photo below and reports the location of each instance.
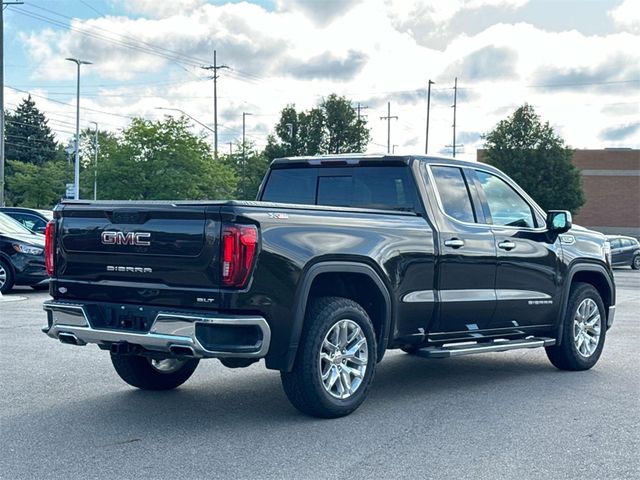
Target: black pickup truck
(340, 259)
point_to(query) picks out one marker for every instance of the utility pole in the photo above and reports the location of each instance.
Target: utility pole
(215, 67)
(360, 107)
(2, 97)
(76, 176)
(426, 142)
(388, 119)
(230, 148)
(455, 97)
(244, 153)
(95, 163)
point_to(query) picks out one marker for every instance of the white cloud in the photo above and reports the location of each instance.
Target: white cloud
(322, 13)
(159, 8)
(289, 56)
(627, 15)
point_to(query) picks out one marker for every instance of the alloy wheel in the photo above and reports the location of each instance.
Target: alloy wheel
(3, 276)
(586, 327)
(343, 359)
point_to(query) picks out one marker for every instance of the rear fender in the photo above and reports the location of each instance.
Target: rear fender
(302, 297)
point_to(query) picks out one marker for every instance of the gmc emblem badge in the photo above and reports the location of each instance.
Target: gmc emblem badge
(140, 239)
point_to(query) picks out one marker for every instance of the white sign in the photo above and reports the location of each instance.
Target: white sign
(70, 191)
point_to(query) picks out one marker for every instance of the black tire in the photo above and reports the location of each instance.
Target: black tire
(304, 386)
(566, 356)
(139, 372)
(635, 263)
(6, 277)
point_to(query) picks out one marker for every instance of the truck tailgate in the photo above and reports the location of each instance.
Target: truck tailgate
(145, 254)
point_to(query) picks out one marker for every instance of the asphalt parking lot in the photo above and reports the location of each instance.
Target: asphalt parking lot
(65, 414)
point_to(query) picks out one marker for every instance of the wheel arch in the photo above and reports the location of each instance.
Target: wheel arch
(593, 274)
(337, 278)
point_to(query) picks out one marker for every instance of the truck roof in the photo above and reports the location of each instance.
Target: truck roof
(371, 158)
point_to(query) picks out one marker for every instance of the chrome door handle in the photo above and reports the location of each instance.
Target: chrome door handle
(454, 243)
(507, 245)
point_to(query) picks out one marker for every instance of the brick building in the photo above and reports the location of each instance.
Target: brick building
(611, 182)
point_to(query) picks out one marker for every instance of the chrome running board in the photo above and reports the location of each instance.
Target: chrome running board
(470, 348)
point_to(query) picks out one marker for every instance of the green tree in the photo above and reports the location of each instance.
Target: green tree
(531, 153)
(249, 172)
(36, 186)
(331, 127)
(162, 160)
(107, 145)
(28, 137)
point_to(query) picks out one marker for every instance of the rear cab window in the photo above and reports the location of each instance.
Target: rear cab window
(384, 187)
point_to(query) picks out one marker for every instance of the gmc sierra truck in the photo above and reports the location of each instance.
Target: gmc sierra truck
(340, 259)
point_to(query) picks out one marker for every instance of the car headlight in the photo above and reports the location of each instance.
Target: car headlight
(28, 249)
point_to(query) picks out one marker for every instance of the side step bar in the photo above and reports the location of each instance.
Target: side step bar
(456, 350)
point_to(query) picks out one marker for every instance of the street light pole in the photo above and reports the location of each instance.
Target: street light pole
(2, 7)
(187, 115)
(76, 175)
(244, 155)
(426, 143)
(95, 163)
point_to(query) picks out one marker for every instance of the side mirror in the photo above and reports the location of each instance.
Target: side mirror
(559, 221)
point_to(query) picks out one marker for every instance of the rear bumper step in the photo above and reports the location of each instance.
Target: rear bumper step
(174, 333)
(456, 350)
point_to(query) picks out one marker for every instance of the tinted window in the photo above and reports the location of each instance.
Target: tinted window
(627, 242)
(291, 185)
(383, 187)
(335, 191)
(615, 243)
(368, 187)
(453, 193)
(505, 205)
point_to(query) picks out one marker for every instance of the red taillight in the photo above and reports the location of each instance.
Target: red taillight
(239, 243)
(49, 246)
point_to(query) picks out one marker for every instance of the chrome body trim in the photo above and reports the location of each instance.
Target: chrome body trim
(611, 315)
(474, 295)
(419, 296)
(468, 295)
(506, 294)
(169, 330)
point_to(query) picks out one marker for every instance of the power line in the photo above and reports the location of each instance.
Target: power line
(91, 7)
(67, 104)
(122, 40)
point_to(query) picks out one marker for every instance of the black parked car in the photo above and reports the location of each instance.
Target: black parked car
(34, 220)
(21, 256)
(625, 251)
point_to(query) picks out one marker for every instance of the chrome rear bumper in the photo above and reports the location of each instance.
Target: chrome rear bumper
(171, 332)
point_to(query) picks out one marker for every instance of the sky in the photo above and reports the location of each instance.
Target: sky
(576, 61)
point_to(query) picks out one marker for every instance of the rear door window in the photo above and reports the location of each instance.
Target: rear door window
(454, 193)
